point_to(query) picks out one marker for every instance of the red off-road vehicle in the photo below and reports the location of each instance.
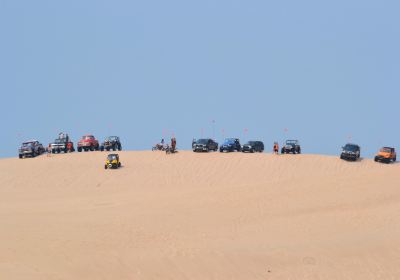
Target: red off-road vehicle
(88, 143)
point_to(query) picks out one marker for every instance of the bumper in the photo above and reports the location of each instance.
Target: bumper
(200, 149)
(382, 159)
(348, 157)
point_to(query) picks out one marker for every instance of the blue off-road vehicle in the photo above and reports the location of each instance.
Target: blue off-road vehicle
(231, 145)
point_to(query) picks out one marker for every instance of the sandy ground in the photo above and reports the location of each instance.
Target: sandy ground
(199, 216)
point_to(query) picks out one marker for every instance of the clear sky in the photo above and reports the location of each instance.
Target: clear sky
(323, 72)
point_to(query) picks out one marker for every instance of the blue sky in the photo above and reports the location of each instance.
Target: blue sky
(324, 72)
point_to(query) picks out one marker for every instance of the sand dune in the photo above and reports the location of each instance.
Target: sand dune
(199, 216)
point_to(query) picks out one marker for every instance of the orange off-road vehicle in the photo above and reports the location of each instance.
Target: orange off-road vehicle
(386, 155)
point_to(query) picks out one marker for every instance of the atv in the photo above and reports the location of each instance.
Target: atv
(111, 143)
(112, 162)
(386, 155)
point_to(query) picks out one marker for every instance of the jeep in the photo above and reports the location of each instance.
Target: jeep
(231, 145)
(386, 155)
(88, 143)
(291, 147)
(205, 145)
(111, 142)
(62, 144)
(253, 146)
(350, 152)
(30, 149)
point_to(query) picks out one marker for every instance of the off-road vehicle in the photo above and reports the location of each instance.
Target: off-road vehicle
(111, 143)
(253, 146)
(231, 145)
(112, 161)
(350, 152)
(205, 145)
(30, 148)
(62, 144)
(386, 155)
(291, 147)
(88, 143)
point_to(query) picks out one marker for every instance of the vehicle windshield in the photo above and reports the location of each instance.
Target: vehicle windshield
(350, 148)
(112, 157)
(88, 137)
(59, 141)
(229, 141)
(112, 138)
(291, 142)
(386, 150)
(202, 141)
(251, 143)
(27, 144)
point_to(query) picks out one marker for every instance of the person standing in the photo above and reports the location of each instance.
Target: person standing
(276, 148)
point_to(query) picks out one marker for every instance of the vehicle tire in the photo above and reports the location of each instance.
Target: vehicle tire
(91, 148)
(119, 164)
(33, 154)
(105, 166)
(108, 149)
(114, 148)
(282, 151)
(376, 159)
(86, 149)
(299, 151)
(53, 151)
(102, 148)
(20, 156)
(79, 149)
(394, 159)
(119, 148)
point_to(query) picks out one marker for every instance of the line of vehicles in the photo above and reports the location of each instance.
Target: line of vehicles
(350, 152)
(63, 144)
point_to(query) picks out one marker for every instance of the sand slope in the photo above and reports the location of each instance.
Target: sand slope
(199, 216)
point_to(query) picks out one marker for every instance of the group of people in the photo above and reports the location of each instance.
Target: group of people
(162, 146)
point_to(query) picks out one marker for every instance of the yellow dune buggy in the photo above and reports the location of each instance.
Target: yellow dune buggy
(112, 162)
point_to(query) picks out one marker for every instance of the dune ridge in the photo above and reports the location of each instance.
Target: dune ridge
(199, 216)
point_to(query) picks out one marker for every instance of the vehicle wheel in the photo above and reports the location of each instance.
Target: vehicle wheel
(33, 154)
(282, 151)
(394, 159)
(376, 159)
(119, 148)
(92, 149)
(102, 148)
(79, 149)
(86, 149)
(20, 156)
(119, 164)
(108, 149)
(105, 166)
(114, 148)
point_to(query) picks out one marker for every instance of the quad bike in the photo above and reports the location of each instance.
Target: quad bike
(170, 150)
(158, 147)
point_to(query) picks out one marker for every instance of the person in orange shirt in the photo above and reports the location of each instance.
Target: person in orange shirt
(276, 148)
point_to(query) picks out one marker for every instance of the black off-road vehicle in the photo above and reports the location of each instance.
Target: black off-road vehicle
(111, 143)
(205, 145)
(291, 147)
(350, 152)
(253, 146)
